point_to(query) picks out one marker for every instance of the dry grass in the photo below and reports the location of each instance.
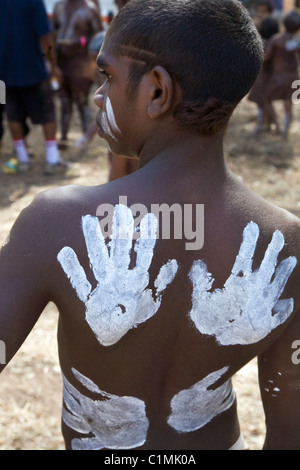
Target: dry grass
(30, 398)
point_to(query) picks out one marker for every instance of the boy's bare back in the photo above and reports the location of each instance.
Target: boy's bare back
(155, 319)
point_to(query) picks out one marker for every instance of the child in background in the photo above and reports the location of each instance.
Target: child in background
(283, 55)
(268, 28)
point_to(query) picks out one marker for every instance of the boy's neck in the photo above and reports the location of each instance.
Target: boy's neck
(189, 152)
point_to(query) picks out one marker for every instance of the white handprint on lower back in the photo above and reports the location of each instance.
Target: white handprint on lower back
(121, 299)
(111, 422)
(196, 406)
(248, 308)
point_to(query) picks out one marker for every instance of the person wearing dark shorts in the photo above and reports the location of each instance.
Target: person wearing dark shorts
(35, 102)
(26, 41)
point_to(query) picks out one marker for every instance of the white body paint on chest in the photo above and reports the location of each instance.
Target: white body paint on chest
(196, 406)
(248, 308)
(108, 120)
(115, 422)
(121, 300)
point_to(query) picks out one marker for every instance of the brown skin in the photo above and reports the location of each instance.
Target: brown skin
(120, 165)
(166, 354)
(73, 20)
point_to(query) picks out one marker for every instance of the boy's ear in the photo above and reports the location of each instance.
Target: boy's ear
(161, 92)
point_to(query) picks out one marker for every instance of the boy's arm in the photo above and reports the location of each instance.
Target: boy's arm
(24, 278)
(279, 378)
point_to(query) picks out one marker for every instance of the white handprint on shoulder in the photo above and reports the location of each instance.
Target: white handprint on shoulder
(248, 308)
(121, 300)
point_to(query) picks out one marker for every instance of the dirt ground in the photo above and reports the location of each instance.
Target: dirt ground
(30, 396)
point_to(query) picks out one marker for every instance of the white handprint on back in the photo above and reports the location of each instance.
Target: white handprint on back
(121, 299)
(111, 422)
(248, 308)
(194, 407)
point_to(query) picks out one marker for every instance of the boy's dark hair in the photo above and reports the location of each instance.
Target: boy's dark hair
(291, 21)
(210, 48)
(269, 26)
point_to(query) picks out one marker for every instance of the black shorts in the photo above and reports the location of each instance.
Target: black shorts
(35, 102)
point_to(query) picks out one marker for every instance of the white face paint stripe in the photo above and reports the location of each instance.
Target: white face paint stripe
(248, 308)
(108, 120)
(114, 422)
(105, 125)
(111, 117)
(193, 408)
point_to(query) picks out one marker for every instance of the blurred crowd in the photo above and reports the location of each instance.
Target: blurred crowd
(280, 73)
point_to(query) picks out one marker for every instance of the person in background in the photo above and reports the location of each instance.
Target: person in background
(75, 23)
(269, 26)
(283, 55)
(26, 40)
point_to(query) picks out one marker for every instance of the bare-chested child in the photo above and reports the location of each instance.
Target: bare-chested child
(157, 311)
(75, 23)
(269, 26)
(283, 55)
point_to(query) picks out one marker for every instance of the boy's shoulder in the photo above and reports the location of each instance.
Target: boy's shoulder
(246, 205)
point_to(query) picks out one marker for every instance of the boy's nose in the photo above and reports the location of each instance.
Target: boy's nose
(99, 98)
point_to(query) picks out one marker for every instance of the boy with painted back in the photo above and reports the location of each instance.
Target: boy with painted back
(151, 331)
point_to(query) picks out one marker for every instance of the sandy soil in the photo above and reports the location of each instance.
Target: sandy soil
(30, 398)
